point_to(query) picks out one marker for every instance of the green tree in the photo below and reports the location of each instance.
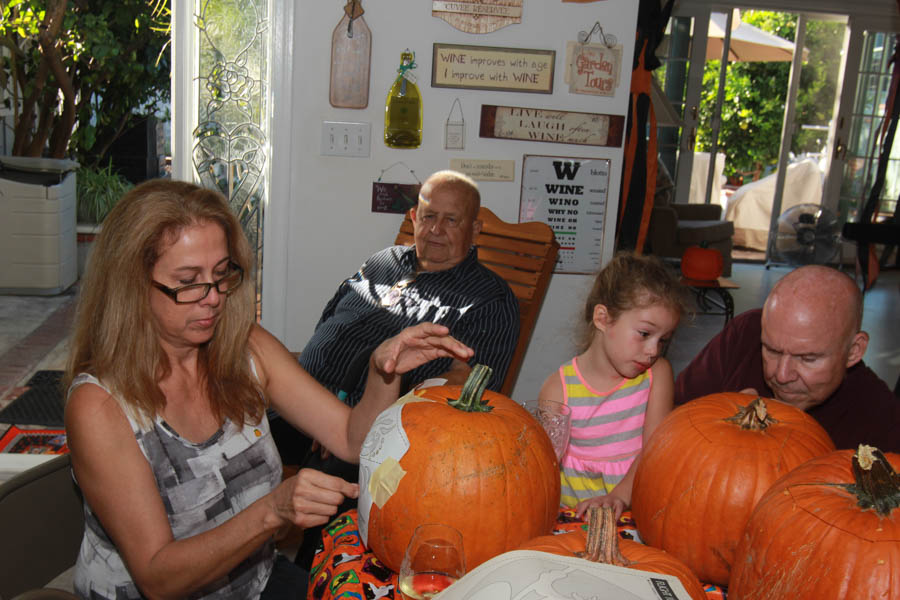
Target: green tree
(79, 72)
(755, 94)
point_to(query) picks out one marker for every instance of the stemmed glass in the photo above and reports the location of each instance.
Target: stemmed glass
(433, 560)
(556, 419)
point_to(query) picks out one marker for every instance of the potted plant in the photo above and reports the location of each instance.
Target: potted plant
(97, 191)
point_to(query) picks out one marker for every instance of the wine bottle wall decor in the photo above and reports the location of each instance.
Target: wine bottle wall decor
(403, 107)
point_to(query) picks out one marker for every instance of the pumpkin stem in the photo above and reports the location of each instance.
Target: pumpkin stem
(470, 400)
(877, 484)
(754, 416)
(602, 543)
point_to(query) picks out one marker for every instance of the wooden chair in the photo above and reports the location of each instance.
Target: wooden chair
(524, 255)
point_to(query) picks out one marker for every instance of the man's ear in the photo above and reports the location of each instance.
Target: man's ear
(412, 214)
(476, 228)
(602, 318)
(858, 345)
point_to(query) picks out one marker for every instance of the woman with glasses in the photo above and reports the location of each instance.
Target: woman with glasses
(169, 380)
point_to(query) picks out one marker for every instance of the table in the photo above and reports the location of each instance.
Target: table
(344, 568)
(725, 303)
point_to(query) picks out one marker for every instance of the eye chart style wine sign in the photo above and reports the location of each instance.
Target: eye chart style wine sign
(570, 195)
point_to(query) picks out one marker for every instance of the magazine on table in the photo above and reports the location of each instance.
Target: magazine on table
(532, 575)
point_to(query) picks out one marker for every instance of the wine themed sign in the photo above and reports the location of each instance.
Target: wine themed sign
(570, 195)
(559, 126)
(478, 16)
(394, 197)
(492, 68)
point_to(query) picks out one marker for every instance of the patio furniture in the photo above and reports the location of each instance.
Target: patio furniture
(676, 227)
(750, 207)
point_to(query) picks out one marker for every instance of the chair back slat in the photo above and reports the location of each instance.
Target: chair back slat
(524, 255)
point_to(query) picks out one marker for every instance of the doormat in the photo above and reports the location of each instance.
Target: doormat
(34, 441)
(40, 404)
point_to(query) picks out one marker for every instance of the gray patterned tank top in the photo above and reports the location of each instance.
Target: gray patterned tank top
(202, 486)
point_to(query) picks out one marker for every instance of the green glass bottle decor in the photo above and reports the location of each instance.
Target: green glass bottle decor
(403, 107)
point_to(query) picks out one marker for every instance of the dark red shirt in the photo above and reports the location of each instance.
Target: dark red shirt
(862, 410)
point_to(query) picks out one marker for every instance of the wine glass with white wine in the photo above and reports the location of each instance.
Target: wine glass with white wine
(433, 560)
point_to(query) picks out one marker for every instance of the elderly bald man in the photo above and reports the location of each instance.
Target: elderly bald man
(804, 347)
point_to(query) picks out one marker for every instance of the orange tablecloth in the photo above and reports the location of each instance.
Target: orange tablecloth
(343, 569)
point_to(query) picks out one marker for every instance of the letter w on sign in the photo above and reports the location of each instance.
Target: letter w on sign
(566, 169)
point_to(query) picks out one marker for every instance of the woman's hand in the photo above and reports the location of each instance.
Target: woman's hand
(611, 499)
(415, 346)
(311, 497)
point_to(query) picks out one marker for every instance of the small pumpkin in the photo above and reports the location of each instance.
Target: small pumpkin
(829, 529)
(705, 467)
(702, 263)
(476, 460)
(601, 543)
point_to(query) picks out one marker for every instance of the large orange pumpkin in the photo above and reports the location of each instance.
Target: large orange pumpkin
(601, 543)
(829, 529)
(476, 460)
(706, 466)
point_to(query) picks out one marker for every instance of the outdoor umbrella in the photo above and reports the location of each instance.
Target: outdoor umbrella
(748, 43)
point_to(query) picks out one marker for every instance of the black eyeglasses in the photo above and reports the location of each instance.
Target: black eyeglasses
(195, 292)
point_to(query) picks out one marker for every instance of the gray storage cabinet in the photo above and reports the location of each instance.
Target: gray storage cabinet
(38, 251)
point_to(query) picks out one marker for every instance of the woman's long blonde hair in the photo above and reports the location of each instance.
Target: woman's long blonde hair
(115, 337)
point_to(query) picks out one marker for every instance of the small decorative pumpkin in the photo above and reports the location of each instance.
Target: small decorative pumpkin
(829, 529)
(706, 466)
(601, 543)
(476, 460)
(702, 263)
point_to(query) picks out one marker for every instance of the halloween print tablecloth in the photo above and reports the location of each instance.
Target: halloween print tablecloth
(343, 569)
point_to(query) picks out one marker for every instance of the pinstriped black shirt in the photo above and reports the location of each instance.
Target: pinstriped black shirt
(476, 304)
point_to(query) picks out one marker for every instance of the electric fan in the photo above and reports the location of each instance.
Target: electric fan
(807, 234)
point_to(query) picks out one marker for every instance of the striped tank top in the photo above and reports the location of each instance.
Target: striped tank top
(607, 433)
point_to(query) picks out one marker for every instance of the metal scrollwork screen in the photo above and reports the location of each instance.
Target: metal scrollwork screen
(231, 139)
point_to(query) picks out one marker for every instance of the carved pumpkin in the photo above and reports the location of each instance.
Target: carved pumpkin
(829, 529)
(602, 544)
(702, 263)
(706, 466)
(476, 461)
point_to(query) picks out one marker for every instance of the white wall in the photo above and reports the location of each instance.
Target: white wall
(327, 223)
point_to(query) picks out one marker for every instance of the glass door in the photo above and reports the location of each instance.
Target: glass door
(858, 149)
(768, 114)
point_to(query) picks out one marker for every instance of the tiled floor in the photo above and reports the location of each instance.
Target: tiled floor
(33, 337)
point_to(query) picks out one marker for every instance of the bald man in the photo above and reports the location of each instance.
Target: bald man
(804, 347)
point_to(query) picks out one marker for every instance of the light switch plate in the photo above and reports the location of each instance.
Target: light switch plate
(341, 138)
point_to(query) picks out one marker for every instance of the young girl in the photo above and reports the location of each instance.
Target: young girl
(619, 388)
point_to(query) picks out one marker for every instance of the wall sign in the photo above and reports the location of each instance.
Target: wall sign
(395, 197)
(593, 68)
(485, 169)
(478, 16)
(540, 125)
(490, 68)
(570, 195)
